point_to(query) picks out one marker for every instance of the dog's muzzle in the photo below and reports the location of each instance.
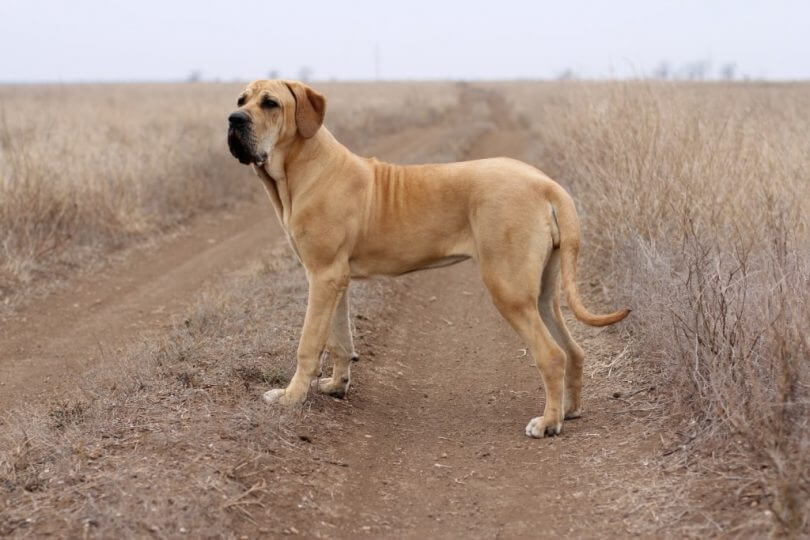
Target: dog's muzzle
(241, 141)
(240, 146)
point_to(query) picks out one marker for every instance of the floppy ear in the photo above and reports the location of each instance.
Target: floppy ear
(310, 108)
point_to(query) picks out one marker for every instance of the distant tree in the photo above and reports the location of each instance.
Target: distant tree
(305, 74)
(567, 74)
(696, 71)
(194, 76)
(728, 71)
(272, 74)
(662, 71)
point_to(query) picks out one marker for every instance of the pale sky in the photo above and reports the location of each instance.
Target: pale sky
(135, 40)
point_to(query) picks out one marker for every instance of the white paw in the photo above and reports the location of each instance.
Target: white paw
(537, 428)
(532, 426)
(274, 395)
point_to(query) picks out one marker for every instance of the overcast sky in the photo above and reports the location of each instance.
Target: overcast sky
(111, 40)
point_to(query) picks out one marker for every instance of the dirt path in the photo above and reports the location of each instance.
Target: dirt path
(434, 437)
(430, 443)
(51, 342)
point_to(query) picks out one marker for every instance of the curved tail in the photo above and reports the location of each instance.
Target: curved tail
(568, 224)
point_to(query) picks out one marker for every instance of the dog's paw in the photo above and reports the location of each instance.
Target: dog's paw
(537, 428)
(576, 413)
(284, 397)
(274, 395)
(332, 387)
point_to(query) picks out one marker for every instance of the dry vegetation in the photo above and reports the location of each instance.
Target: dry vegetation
(172, 440)
(87, 169)
(694, 204)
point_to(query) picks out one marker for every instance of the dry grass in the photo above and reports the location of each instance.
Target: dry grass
(172, 440)
(694, 201)
(87, 169)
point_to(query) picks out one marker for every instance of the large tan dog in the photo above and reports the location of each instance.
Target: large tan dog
(351, 217)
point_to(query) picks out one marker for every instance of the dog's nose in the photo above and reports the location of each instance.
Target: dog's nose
(238, 118)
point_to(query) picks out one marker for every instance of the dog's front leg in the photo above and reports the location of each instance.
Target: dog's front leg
(325, 289)
(341, 349)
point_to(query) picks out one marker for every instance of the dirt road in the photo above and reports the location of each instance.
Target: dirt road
(432, 438)
(430, 442)
(52, 341)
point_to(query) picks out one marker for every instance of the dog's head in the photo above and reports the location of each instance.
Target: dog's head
(271, 114)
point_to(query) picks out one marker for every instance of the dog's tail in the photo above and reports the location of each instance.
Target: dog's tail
(568, 225)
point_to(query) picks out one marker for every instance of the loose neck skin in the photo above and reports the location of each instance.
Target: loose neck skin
(296, 167)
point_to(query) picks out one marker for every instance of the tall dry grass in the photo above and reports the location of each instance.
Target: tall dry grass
(695, 202)
(89, 168)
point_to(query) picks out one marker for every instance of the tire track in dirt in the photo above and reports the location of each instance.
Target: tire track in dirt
(45, 347)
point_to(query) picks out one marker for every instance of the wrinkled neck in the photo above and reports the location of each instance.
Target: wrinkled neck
(299, 167)
(310, 161)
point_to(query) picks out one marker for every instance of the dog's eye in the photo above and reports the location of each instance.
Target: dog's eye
(240, 101)
(269, 103)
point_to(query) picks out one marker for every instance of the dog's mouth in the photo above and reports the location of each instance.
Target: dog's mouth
(243, 147)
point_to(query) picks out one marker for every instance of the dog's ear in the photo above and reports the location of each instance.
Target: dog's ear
(310, 108)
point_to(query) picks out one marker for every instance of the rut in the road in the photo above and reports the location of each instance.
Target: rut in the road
(47, 347)
(433, 434)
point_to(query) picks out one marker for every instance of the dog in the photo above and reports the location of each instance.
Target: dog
(348, 217)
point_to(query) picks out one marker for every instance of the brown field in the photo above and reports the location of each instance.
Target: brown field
(147, 299)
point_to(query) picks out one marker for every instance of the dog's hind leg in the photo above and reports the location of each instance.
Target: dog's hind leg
(512, 281)
(549, 305)
(341, 350)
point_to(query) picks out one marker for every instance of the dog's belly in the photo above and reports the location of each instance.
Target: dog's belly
(450, 260)
(404, 256)
(365, 267)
